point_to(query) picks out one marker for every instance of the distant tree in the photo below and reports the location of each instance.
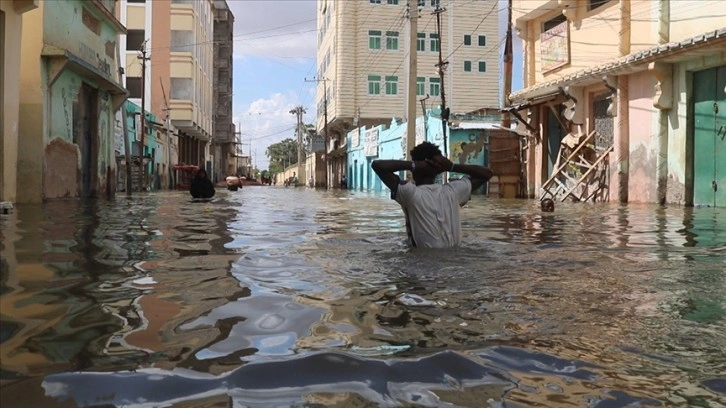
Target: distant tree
(283, 154)
(275, 168)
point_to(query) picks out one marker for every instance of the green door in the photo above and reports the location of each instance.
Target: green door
(709, 137)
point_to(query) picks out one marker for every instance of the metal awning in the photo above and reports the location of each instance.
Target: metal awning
(629, 64)
(62, 59)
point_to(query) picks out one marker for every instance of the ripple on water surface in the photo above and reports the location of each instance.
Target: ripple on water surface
(286, 297)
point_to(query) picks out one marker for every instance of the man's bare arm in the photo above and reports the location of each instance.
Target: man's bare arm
(478, 175)
(387, 169)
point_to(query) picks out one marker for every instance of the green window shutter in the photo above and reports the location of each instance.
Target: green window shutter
(391, 85)
(467, 66)
(392, 40)
(482, 66)
(420, 86)
(482, 40)
(374, 84)
(374, 40)
(434, 86)
(467, 40)
(434, 42)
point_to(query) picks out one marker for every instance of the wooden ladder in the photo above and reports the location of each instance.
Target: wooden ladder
(576, 169)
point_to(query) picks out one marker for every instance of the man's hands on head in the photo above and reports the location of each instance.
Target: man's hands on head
(439, 163)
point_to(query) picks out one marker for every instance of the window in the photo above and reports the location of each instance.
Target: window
(434, 86)
(136, 1)
(435, 3)
(553, 22)
(375, 1)
(482, 40)
(482, 66)
(182, 40)
(182, 88)
(420, 86)
(134, 39)
(422, 3)
(467, 66)
(391, 85)
(133, 84)
(467, 40)
(421, 42)
(394, 2)
(374, 40)
(391, 40)
(434, 42)
(593, 4)
(374, 85)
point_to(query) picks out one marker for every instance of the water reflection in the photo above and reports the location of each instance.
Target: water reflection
(276, 296)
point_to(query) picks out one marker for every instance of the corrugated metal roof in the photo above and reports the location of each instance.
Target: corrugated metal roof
(624, 64)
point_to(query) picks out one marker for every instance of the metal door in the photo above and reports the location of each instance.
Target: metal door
(709, 137)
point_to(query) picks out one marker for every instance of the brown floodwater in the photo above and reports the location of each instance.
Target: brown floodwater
(274, 296)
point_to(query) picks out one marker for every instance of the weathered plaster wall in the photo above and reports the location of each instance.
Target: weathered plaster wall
(62, 175)
(9, 95)
(69, 25)
(32, 114)
(60, 155)
(643, 140)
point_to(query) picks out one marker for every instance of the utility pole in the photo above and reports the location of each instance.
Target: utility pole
(238, 136)
(325, 125)
(299, 111)
(143, 59)
(441, 65)
(508, 58)
(412, 10)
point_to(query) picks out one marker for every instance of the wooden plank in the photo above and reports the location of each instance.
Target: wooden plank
(594, 166)
(558, 169)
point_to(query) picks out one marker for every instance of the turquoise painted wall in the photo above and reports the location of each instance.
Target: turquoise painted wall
(62, 96)
(64, 27)
(463, 146)
(150, 141)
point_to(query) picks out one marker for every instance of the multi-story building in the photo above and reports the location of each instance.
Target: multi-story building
(224, 129)
(69, 95)
(647, 78)
(177, 37)
(362, 62)
(11, 27)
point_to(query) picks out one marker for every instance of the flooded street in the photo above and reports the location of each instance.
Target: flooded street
(274, 296)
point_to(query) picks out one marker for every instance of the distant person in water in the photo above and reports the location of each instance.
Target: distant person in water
(431, 209)
(202, 186)
(548, 205)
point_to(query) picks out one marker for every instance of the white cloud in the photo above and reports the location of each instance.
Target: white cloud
(267, 121)
(277, 29)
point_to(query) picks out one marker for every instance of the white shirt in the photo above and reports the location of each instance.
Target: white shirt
(432, 212)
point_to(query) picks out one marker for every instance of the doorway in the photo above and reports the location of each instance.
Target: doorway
(709, 137)
(85, 135)
(555, 133)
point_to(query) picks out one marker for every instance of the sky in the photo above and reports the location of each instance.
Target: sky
(274, 58)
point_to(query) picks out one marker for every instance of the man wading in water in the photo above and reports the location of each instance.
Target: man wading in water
(431, 210)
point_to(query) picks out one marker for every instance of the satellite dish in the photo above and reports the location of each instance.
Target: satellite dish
(436, 111)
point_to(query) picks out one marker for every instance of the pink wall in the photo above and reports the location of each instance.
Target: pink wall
(643, 140)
